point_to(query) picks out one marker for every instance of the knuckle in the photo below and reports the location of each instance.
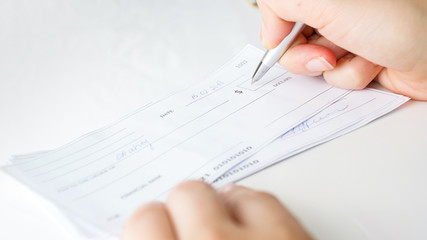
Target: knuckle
(257, 196)
(349, 79)
(330, 79)
(216, 234)
(187, 187)
(264, 196)
(356, 79)
(147, 209)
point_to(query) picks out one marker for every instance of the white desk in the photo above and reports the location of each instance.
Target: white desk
(69, 68)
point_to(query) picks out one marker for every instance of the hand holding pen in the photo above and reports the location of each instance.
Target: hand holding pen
(272, 56)
(351, 49)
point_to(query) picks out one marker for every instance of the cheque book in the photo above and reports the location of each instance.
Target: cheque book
(343, 116)
(201, 132)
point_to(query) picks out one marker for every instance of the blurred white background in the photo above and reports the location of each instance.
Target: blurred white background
(70, 67)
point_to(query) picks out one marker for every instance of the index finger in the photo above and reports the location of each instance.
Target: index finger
(196, 210)
(262, 212)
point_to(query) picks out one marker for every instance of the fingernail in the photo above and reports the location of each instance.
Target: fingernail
(318, 64)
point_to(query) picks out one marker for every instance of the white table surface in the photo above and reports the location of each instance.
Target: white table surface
(69, 67)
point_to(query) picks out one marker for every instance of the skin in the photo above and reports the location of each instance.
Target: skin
(360, 40)
(195, 211)
(350, 42)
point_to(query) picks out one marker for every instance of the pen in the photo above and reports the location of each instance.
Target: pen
(272, 56)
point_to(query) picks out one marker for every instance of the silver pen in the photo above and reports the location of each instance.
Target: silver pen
(272, 56)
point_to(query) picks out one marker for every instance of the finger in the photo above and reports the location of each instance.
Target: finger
(149, 222)
(336, 50)
(313, 57)
(409, 84)
(251, 207)
(261, 211)
(352, 72)
(196, 210)
(273, 29)
(309, 59)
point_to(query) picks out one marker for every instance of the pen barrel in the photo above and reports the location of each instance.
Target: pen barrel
(272, 56)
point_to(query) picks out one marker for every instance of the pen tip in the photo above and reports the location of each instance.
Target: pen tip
(259, 73)
(254, 79)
